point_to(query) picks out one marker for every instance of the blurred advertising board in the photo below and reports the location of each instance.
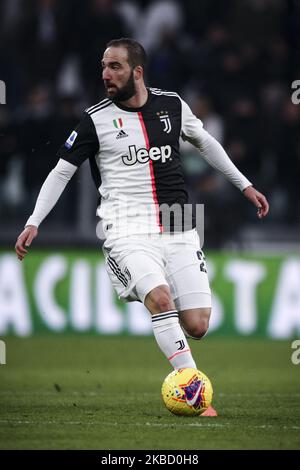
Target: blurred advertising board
(69, 291)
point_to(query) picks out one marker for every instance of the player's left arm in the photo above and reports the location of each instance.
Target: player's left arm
(213, 152)
(258, 199)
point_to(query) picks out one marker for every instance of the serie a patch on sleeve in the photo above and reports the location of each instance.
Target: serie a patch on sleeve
(70, 141)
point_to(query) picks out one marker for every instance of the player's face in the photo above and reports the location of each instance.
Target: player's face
(117, 74)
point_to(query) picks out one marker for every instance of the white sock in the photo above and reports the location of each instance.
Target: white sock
(171, 340)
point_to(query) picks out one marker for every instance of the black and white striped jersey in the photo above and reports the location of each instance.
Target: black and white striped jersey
(135, 159)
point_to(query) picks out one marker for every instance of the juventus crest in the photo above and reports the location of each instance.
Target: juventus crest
(164, 118)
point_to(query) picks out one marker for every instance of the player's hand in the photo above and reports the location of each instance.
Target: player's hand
(24, 240)
(259, 200)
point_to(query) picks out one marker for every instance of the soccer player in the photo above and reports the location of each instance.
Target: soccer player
(131, 139)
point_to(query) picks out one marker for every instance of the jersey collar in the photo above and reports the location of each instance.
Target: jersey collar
(135, 110)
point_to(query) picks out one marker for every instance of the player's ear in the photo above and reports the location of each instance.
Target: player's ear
(138, 72)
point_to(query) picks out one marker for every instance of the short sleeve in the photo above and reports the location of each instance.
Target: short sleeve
(82, 144)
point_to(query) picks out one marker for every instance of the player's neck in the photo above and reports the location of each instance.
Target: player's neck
(138, 100)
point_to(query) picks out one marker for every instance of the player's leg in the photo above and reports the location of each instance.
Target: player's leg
(195, 321)
(136, 270)
(187, 276)
(159, 300)
(166, 327)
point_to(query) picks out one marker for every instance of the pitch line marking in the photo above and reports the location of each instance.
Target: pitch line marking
(146, 424)
(66, 392)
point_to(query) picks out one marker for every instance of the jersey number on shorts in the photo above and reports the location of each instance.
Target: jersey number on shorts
(201, 257)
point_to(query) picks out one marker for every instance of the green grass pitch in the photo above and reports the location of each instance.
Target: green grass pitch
(68, 392)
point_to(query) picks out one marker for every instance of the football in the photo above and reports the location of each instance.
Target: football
(187, 392)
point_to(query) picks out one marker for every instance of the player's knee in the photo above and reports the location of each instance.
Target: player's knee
(198, 328)
(163, 303)
(159, 300)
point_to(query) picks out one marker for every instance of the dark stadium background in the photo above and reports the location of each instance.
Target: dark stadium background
(235, 63)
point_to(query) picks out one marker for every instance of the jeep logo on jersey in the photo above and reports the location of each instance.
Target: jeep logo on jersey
(143, 155)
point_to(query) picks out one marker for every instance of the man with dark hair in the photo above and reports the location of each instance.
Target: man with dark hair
(136, 54)
(132, 142)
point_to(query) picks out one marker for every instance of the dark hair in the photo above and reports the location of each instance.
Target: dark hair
(136, 53)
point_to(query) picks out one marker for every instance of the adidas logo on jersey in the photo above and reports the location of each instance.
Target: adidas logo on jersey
(121, 134)
(143, 155)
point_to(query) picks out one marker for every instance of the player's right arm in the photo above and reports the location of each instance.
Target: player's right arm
(83, 143)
